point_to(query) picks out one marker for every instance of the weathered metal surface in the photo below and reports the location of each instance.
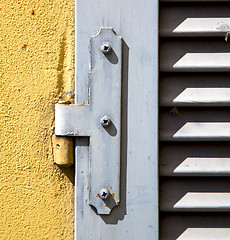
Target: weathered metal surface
(104, 99)
(63, 150)
(72, 120)
(104, 193)
(137, 215)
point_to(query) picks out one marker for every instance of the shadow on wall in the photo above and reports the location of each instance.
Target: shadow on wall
(69, 172)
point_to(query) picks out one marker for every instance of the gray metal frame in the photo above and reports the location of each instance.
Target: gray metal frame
(137, 216)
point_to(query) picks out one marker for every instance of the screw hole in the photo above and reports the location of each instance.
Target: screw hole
(58, 146)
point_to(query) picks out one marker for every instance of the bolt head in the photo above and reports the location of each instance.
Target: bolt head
(104, 193)
(105, 121)
(106, 48)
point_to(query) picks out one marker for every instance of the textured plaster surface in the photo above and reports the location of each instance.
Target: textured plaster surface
(36, 67)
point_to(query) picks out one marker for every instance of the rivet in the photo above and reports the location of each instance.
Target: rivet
(106, 48)
(104, 193)
(105, 121)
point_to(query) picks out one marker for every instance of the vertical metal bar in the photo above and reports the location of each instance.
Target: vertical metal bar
(137, 22)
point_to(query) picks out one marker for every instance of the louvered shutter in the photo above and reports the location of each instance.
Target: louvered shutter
(194, 120)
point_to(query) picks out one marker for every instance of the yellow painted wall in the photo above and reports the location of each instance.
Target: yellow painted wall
(36, 66)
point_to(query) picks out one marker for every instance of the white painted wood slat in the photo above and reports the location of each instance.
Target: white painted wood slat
(195, 90)
(203, 62)
(203, 131)
(203, 166)
(208, 195)
(200, 27)
(194, 20)
(195, 159)
(195, 125)
(195, 226)
(203, 26)
(194, 55)
(202, 96)
(205, 234)
(202, 201)
(194, 120)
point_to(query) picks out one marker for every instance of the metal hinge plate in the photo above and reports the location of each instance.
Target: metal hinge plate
(100, 120)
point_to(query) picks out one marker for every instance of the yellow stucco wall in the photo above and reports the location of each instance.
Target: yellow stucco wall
(36, 66)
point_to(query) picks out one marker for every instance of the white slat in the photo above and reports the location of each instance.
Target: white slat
(195, 159)
(195, 90)
(197, 194)
(204, 131)
(203, 26)
(202, 96)
(203, 62)
(203, 166)
(199, 131)
(195, 125)
(195, 226)
(205, 234)
(199, 27)
(194, 55)
(191, 20)
(194, 20)
(202, 201)
(194, 66)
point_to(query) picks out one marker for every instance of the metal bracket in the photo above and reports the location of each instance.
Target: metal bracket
(100, 120)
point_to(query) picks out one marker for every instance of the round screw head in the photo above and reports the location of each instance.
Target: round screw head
(106, 48)
(105, 121)
(104, 193)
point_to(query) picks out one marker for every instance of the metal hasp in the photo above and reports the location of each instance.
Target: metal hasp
(100, 120)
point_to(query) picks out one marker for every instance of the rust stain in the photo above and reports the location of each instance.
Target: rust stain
(174, 112)
(98, 196)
